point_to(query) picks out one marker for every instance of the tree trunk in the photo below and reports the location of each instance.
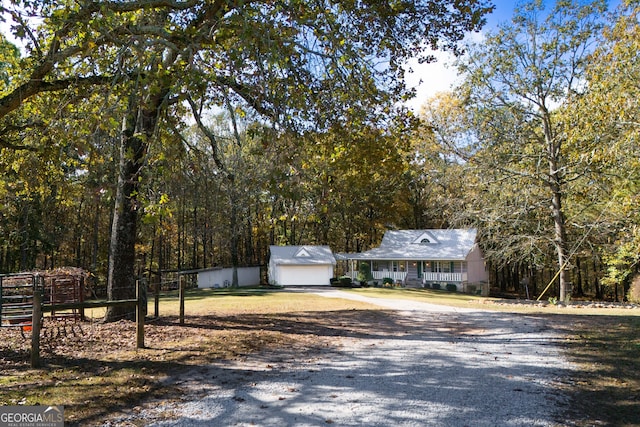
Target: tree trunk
(596, 282)
(121, 281)
(234, 234)
(579, 287)
(555, 185)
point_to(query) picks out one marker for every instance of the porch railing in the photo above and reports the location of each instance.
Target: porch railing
(379, 275)
(443, 277)
(426, 276)
(395, 275)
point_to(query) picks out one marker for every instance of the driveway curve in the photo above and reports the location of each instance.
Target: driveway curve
(447, 367)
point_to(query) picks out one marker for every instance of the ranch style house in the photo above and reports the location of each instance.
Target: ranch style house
(441, 259)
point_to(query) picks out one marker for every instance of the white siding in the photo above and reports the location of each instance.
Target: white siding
(247, 276)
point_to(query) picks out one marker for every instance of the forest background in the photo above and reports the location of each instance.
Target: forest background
(160, 135)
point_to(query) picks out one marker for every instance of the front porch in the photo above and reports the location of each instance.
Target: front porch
(415, 273)
(403, 276)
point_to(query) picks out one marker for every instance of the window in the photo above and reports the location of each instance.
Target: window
(397, 266)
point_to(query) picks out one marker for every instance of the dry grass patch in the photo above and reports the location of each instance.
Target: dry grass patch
(606, 389)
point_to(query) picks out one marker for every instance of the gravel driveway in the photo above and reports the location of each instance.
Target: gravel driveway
(448, 367)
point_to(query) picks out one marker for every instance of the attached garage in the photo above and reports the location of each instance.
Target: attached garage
(301, 265)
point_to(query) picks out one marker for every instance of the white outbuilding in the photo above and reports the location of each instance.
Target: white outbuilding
(301, 265)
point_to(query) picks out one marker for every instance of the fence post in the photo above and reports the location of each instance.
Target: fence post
(156, 296)
(81, 298)
(181, 296)
(36, 316)
(140, 314)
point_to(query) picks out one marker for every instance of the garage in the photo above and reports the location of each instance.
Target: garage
(301, 265)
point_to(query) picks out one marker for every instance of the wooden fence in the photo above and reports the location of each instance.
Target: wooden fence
(39, 308)
(32, 316)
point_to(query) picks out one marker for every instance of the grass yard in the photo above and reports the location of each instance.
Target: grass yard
(94, 369)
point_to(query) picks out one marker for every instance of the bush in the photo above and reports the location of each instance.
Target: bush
(451, 287)
(387, 281)
(346, 281)
(364, 272)
(435, 286)
(634, 290)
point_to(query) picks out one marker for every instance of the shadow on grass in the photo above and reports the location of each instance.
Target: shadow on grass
(206, 293)
(101, 368)
(606, 388)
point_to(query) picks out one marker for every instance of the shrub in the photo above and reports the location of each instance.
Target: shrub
(387, 281)
(345, 281)
(634, 290)
(451, 287)
(435, 286)
(364, 272)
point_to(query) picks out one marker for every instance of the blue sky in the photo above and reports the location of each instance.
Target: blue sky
(430, 79)
(437, 77)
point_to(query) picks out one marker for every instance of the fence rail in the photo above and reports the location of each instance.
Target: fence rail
(39, 308)
(29, 305)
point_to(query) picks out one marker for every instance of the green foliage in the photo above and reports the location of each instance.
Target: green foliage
(634, 290)
(341, 282)
(346, 281)
(451, 287)
(622, 263)
(517, 83)
(387, 281)
(364, 272)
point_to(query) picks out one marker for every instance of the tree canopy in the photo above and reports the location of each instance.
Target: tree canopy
(300, 66)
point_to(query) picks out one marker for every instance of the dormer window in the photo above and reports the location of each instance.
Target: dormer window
(426, 238)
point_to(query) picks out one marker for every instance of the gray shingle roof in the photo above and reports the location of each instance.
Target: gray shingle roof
(302, 255)
(446, 245)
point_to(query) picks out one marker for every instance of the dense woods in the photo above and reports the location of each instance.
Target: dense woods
(159, 135)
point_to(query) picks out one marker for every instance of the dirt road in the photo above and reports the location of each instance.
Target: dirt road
(442, 367)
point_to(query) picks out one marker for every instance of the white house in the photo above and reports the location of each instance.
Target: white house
(301, 265)
(429, 258)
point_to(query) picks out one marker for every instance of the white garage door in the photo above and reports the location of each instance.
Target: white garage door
(305, 275)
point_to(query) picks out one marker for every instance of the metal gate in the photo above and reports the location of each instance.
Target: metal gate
(16, 299)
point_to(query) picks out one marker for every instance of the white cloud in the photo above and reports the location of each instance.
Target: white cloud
(439, 76)
(429, 79)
